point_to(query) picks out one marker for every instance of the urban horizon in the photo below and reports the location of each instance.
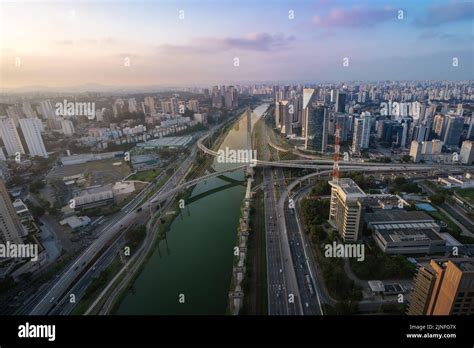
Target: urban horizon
(262, 160)
(210, 42)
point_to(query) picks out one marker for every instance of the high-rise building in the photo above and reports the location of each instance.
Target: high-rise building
(174, 106)
(466, 156)
(317, 124)
(282, 115)
(119, 106)
(149, 103)
(453, 130)
(444, 287)
(216, 97)
(11, 229)
(47, 109)
(470, 131)
(10, 137)
(193, 105)
(421, 133)
(344, 125)
(361, 137)
(415, 151)
(28, 110)
(423, 281)
(438, 125)
(345, 212)
(67, 127)
(15, 112)
(132, 105)
(341, 101)
(31, 129)
(308, 99)
(230, 97)
(390, 133)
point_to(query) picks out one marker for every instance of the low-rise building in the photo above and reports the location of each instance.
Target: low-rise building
(167, 142)
(458, 181)
(405, 232)
(466, 156)
(93, 197)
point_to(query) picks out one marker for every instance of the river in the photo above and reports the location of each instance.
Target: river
(195, 259)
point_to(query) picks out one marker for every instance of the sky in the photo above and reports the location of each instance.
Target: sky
(205, 42)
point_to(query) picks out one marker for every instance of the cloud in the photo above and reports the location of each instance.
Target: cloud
(251, 42)
(64, 42)
(430, 34)
(355, 17)
(106, 41)
(441, 14)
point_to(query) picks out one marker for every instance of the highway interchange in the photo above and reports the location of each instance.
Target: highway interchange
(293, 285)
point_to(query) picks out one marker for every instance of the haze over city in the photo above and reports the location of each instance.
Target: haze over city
(195, 43)
(265, 160)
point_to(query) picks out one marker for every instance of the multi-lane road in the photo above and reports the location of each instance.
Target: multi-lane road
(108, 233)
(282, 287)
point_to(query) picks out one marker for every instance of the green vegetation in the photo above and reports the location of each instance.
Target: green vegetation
(467, 194)
(452, 228)
(147, 175)
(135, 237)
(97, 285)
(321, 187)
(378, 265)
(256, 239)
(401, 184)
(36, 185)
(315, 213)
(365, 182)
(437, 198)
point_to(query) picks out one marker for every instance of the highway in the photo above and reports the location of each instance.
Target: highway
(116, 225)
(281, 280)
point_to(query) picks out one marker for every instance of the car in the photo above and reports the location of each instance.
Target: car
(52, 299)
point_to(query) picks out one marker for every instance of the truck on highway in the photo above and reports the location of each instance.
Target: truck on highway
(310, 285)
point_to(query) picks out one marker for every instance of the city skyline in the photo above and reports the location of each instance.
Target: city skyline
(154, 44)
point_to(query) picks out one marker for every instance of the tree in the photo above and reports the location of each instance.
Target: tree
(406, 158)
(36, 185)
(437, 198)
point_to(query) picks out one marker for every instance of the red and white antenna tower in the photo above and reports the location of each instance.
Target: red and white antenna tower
(335, 168)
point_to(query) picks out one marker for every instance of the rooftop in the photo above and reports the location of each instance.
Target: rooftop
(401, 235)
(167, 142)
(349, 187)
(398, 215)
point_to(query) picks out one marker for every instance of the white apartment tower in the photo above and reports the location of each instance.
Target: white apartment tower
(345, 212)
(31, 128)
(67, 127)
(10, 226)
(11, 139)
(361, 135)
